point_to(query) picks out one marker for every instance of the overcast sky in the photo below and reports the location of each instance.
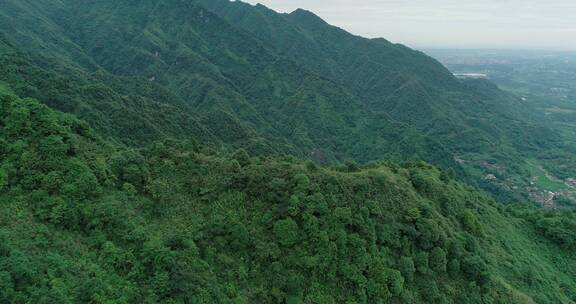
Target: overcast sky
(522, 24)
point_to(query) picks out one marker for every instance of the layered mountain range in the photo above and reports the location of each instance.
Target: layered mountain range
(230, 73)
(208, 151)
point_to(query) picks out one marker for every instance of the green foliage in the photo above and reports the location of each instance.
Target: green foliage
(242, 157)
(438, 260)
(140, 218)
(475, 268)
(296, 86)
(171, 224)
(3, 179)
(396, 282)
(454, 267)
(351, 166)
(558, 227)
(407, 268)
(422, 262)
(471, 222)
(448, 175)
(413, 214)
(474, 120)
(286, 232)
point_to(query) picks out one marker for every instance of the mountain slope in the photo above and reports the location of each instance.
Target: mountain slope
(389, 77)
(235, 75)
(236, 87)
(86, 221)
(476, 121)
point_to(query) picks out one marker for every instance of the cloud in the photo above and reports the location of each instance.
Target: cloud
(566, 30)
(451, 23)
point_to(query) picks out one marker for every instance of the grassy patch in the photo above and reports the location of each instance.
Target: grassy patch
(544, 181)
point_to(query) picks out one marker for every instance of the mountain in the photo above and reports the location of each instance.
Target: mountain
(236, 75)
(225, 82)
(406, 84)
(473, 119)
(191, 151)
(87, 221)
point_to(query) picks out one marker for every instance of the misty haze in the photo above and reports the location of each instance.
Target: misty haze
(516, 24)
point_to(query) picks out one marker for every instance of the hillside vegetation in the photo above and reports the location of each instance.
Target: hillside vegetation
(231, 74)
(174, 152)
(85, 221)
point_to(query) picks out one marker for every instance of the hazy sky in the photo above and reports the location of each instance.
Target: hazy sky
(534, 24)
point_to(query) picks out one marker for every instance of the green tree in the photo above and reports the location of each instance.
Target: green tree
(395, 282)
(454, 267)
(474, 267)
(129, 166)
(302, 182)
(7, 291)
(438, 260)
(471, 222)
(447, 175)
(242, 157)
(3, 179)
(407, 268)
(413, 214)
(422, 262)
(162, 192)
(379, 281)
(286, 232)
(422, 182)
(351, 166)
(429, 233)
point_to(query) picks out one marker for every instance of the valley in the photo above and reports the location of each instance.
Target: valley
(545, 82)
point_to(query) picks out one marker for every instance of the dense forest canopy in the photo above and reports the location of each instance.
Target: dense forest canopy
(215, 152)
(228, 73)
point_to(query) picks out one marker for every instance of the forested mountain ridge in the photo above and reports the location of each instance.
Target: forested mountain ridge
(475, 120)
(240, 90)
(376, 70)
(172, 151)
(86, 221)
(233, 74)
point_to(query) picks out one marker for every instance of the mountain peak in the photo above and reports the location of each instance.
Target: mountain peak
(306, 16)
